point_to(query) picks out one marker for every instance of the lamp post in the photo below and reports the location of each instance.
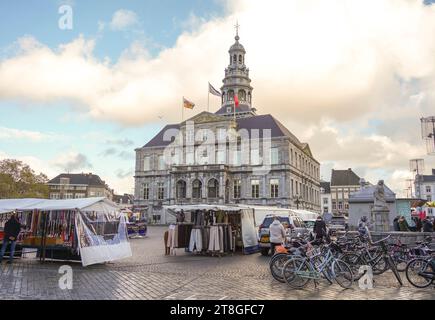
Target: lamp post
(297, 199)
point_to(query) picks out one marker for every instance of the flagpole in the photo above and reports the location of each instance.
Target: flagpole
(234, 109)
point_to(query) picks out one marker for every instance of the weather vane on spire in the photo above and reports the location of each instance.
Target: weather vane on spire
(237, 26)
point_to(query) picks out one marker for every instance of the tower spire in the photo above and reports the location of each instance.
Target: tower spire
(237, 26)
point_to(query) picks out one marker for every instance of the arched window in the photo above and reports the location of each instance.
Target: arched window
(242, 95)
(230, 95)
(213, 188)
(249, 96)
(197, 189)
(181, 189)
(240, 59)
(235, 59)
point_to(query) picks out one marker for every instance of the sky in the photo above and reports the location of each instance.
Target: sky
(352, 78)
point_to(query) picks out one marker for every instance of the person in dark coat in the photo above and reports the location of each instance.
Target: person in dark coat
(11, 231)
(320, 228)
(403, 225)
(396, 224)
(418, 224)
(427, 225)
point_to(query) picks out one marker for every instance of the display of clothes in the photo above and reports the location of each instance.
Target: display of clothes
(179, 236)
(213, 232)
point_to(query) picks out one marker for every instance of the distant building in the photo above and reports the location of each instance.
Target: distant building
(124, 201)
(362, 201)
(76, 186)
(325, 197)
(425, 186)
(343, 182)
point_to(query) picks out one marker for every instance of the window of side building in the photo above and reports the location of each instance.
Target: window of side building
(160, 190)
(147, 163)
(237, 188)
(274, 188)
(146, 191)
(161, 161)
(255, 188)
(274, 156)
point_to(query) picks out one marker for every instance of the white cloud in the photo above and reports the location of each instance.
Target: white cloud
(72, 161)
(123, 19)
(14, 134)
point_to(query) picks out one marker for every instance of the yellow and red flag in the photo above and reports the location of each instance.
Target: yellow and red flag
(188, 104)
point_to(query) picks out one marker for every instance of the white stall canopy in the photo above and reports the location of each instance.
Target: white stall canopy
(98, 204)
(94, 247)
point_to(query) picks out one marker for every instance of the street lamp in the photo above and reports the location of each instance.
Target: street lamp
(297, 199)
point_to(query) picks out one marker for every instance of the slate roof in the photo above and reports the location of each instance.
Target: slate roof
(326, 186)
(344, 178)
(126, 198)
(79, 178)
(242, 108)
(255, 122)
(428, 178)
(366, 195)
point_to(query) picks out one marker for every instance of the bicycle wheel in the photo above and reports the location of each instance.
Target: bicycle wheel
(355, 262)
(401, 259)
(276, 265)
(379, 265)
(291, 266)
(414, 271)
(393, 268)
(342, 273)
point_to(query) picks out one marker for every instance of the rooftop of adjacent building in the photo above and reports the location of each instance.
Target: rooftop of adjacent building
(89, 179)
(123, 199)
(428, 178)
(325, 186)
(344, 178)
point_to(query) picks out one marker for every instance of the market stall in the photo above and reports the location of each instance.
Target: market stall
(212, 229)
(88, 229)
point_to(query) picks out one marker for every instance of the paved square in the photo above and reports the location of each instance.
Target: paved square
(151, 275)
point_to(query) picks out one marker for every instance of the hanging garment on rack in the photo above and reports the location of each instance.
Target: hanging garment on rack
(171, 239)
(220, 217)
(195, 244)
(214, 244)
(221, 239)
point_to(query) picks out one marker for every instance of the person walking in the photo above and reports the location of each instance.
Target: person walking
(363, 226)
(403, 225)
(427, 225)
(319, 228)
(277, 234)
(11, 231)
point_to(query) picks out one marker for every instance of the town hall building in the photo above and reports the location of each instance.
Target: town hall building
(181, 165)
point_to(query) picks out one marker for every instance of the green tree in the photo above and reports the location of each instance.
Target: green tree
(18, 180)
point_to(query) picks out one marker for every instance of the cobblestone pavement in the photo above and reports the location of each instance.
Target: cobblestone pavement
(151, 275)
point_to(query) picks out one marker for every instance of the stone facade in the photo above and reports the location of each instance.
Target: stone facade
(200, 170)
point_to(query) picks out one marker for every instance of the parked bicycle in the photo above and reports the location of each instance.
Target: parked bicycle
(319, 264)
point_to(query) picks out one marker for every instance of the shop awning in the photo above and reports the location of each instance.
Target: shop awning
(98, 204)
